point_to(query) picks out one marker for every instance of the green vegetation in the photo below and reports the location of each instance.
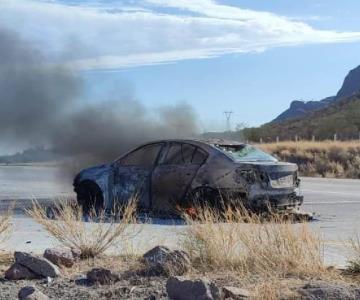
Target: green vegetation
(341, 118)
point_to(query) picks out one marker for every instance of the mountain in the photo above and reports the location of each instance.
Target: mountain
(340, 117)
(299, 109)
(351, 85)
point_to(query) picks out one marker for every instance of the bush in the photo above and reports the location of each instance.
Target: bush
(91, 238)
(354, 260)
(327, 159)
(242, 241)
(5, 224)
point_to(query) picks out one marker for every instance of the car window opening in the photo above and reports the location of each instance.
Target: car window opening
(246, 153)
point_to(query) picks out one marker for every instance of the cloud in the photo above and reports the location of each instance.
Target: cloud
(92, 35)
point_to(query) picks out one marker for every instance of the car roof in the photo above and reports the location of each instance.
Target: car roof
(209, 144)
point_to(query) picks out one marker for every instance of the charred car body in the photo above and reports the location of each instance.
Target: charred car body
(171, 173)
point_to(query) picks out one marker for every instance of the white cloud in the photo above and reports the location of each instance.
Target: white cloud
(95, 36)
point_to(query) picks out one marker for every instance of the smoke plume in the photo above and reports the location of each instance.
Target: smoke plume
(41, 104)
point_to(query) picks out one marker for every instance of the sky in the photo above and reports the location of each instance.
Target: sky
(252, 57)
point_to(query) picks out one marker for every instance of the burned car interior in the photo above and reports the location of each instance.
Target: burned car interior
(167, 174)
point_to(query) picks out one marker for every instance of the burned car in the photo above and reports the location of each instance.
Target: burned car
(168, 174)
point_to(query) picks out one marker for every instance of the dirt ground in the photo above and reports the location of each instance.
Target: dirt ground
(135, 288)
(135, 284)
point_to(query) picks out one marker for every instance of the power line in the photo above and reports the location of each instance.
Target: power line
(228, 117)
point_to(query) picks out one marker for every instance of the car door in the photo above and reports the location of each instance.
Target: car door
(173, 175)
(132, 175)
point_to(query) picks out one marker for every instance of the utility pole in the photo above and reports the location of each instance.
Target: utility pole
(228, 117)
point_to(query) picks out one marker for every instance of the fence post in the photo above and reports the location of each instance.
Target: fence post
(277, 139)
(313, 138)
(296, 138)
(261, 140)
(335, 137)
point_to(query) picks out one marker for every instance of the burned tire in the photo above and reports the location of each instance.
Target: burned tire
(90, 198)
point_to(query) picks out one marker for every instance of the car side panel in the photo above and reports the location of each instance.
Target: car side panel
(170, 184)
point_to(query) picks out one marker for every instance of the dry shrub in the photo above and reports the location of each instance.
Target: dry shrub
(91, 238)
(268, 290)
(247, 243)
(327, 158)
(5, 224)
(354, 259)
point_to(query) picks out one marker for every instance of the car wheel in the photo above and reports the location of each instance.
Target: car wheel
(90, 198)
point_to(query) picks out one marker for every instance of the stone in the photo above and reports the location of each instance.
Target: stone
(60, 257)
(235, 293)
(76, 253)
(31, 293)
(330, 291)
(179, 288)
(38, 265)
(156, 254)
(18, 272)
(101, 276)
(162, 261)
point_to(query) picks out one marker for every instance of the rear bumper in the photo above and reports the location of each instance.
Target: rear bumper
(261, 199)
(278, 200)
(286, 201)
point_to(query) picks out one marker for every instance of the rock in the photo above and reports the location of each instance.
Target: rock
(162, 261)
(38, 265)
(31, 293)
(179, 288)
(60, 257)
(101, 276)
(323, 290)
(235, 293)
(76, 253)
(17, 272)
(156, 254)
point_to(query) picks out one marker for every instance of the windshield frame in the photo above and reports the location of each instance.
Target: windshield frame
(267, 157)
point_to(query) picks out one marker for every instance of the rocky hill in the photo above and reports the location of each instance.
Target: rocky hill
(341, 117)
(299, 109)
(351, 84)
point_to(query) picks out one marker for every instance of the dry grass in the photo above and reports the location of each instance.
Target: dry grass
(242, 242)
(327, 158)
(5, 224)
(118, 263)
(354, 259)
(91, 238)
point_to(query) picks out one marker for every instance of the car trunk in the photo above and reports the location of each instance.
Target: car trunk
(280, 175)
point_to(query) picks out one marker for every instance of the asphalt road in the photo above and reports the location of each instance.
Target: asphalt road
(335, 202)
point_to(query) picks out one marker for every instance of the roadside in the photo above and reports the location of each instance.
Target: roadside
(330, 159)
(336, 203)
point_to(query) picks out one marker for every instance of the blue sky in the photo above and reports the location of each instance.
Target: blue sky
(249, 56)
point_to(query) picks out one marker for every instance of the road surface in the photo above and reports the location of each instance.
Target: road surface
(336, 203)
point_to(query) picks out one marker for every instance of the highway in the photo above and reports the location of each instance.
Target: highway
(335, 202)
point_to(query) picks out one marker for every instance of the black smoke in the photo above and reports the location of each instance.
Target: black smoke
(42, 104)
